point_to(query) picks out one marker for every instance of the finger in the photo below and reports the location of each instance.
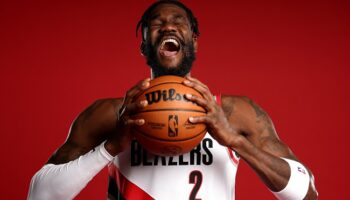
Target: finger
(196, 80)
(205, 119)
(200, 88)
(135, 106)
(200, 101)
(134, 122)
(137, 89)
(199, 119)
(204, 89)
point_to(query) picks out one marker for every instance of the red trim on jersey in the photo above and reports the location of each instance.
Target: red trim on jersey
(128, 189)
(233, 158)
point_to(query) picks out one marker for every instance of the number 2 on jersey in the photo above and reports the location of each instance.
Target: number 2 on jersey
(195, 178)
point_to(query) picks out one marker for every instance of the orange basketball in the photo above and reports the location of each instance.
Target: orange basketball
(167, 130)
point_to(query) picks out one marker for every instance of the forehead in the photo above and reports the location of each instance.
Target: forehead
(168, 10)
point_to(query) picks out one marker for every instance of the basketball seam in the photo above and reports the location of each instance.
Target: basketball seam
(169, 109)
(164, 140)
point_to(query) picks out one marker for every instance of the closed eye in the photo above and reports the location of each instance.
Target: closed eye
(179, 20)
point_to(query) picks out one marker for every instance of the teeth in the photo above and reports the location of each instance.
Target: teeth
(170, 40)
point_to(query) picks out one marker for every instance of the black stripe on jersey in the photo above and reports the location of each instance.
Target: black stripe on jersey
(113, 190)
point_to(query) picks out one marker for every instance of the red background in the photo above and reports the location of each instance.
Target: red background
(291, 57)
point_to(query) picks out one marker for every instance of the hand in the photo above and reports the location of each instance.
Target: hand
(121, 139)
(217, 124)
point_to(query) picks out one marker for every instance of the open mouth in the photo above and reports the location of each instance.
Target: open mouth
(169, 47)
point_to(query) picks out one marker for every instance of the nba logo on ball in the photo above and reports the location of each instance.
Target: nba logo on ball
(166, 130)
(173, 125)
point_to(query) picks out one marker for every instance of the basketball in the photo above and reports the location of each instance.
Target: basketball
(167, 130)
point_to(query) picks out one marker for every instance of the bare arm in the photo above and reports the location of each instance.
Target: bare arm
(84, 154)
(80, 158)
(243, 126)
(94, 125)
(260, 146)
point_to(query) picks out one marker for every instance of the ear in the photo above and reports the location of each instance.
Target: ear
(142, 48)
(195, 43)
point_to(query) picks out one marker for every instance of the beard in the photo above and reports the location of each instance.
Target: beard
(183, 68)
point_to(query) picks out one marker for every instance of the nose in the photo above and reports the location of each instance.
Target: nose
(168, 27)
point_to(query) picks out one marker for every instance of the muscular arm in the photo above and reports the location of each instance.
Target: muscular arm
(90, 128)
(80, 158)
(85, 153)
(259, 144)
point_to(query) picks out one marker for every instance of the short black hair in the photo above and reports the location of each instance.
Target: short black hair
(143, 23)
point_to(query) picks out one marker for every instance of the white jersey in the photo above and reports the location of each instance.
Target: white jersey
(207, 172)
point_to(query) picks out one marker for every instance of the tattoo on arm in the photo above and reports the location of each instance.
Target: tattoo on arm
(262, 119)
(258, 111)
(228, 107)
(268, 138)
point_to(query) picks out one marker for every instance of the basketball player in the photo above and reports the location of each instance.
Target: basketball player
(237, 129)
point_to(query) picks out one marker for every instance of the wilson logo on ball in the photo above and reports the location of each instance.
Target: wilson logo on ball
(164, 95)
